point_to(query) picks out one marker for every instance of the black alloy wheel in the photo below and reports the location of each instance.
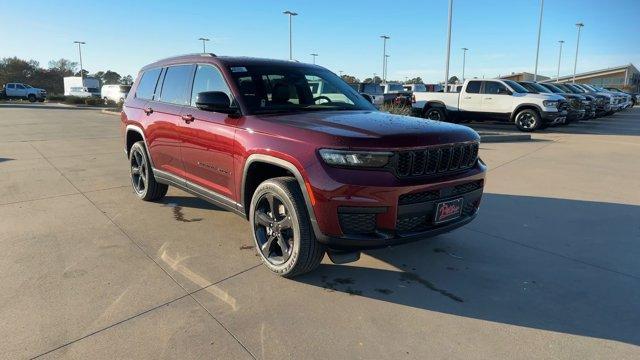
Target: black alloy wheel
(273, 229)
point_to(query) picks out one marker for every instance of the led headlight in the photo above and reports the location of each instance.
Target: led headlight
(361, 159)
(550, 103)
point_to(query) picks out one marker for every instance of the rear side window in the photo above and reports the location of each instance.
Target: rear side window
(492, 87)
(473, 87)
(175, 87)
(147, 84)
(11, 86)
(208, 78)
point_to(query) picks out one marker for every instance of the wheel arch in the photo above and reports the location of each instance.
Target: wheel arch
(527, 106)
(133, 134)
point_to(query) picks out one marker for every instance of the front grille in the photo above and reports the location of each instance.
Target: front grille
(563, 105)
(436, 160)
(431, 195)
(357, 223)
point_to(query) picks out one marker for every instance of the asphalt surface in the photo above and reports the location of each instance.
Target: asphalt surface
(549, 269)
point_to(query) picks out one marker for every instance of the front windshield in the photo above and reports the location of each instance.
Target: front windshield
(540, 88)
(27, 86)
(553, 88)
(591, 88)
(575, 89)
(563, 87)
(516, 87)
(276, 89)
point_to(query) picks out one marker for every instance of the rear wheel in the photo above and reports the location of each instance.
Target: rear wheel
(142, 179)
(528, 120)
(435, 113)
(282, 232)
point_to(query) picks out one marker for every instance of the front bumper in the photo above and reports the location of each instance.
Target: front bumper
(376, 213)
(554, 117)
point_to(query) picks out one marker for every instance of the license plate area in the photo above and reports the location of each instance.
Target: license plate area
(448, 210)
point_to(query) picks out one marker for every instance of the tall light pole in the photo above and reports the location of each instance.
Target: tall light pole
(340, 71)
(575, 63)
(314, 57)
(559, 57)
(464, 61)
(535, 71)
(384, 56)
(80, 43)
(373, 79)
(386, 66)
(446, 68)
(291, 15)
(204, 48)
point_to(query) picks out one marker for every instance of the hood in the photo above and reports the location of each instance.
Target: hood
(573, 96)
(540, 96)
(363, 128)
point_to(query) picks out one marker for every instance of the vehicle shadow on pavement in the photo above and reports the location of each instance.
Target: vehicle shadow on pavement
(189, 202)
(5, 159)
(554, 264)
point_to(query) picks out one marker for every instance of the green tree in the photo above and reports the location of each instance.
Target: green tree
(126, 80)
(17, 70)
(350, 79)
(453, 80)
(376, 80)
(63, 67)
(111, 78)
(415, 80)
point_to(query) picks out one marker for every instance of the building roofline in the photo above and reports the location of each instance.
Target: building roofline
(593, 72)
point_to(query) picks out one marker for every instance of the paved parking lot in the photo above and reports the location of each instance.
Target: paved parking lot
(548, 270)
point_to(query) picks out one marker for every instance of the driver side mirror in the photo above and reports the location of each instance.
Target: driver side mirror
(367, 97)
(216, 101)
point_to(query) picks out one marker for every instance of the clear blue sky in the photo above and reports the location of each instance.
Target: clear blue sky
(501, 34)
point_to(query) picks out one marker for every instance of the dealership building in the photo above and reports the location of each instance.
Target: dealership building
(626, 77)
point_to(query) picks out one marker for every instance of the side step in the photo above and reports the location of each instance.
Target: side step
(343, 257)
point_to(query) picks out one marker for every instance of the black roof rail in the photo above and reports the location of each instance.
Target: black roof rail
(186, 55)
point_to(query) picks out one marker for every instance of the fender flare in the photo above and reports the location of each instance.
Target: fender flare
(528, 105)
(296, 173)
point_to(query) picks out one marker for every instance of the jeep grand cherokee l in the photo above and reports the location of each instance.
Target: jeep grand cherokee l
(313, 173)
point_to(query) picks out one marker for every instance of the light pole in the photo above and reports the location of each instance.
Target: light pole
(575, 64)
(559, 57)
(204, 48)
(314, 57)
(535, 71)
(80, 43)
(464, 61)
(291, 15)
(384, 56)
(373, 79)
(340, 71)
(446, 68)
(386, 67)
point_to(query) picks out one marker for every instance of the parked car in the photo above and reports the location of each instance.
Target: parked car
(494, 99)
(613, 101)
(399, 95)
(627, 101)
(23, 92)
(373, 92)
(81, 86)
(311, 176)
(575, 108)
(602, 102)
(415, 87)
(633, 97)
(591, 100)
(115, 93)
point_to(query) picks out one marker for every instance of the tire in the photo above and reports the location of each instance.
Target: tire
(282, 232)
(435, 113)
(40, 100)
(144, 183)
(528, 120)
(31, 98)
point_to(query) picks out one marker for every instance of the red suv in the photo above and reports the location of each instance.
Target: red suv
(307, 160)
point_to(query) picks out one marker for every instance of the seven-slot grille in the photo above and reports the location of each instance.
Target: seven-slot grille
(436, 160)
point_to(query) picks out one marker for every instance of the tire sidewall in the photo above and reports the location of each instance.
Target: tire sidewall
(31, 98)
(437, 110)
(139, 147)
(295, 213)
(535, 115)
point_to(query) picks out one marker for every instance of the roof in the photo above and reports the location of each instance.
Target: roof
(223, 60)
(601, 71)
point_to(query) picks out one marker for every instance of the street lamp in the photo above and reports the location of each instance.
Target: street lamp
(314, 58)
(464, 61)
(446, 68)
(386, 67)
(535, 71)
(340, 71)
(373, 79)
(80, 43)
(575, 64)
(291, 14)
(204, 48)
(559, 57)
(384, 56)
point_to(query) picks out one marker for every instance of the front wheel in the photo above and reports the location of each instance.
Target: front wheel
(528, 120)
(282, 232)
(435, 113)
(31, 98)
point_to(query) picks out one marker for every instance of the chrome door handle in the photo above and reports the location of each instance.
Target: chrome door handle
(187, 118)
(488, 98)
(467, 97)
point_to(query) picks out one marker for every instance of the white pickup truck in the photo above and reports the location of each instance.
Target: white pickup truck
(23, 91)
(493, 99)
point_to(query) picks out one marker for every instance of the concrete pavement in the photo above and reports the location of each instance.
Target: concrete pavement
(548, 270)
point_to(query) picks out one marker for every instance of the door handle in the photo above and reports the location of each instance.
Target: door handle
(488, 98)
(187, 118)
(467, 97)
(148, 111)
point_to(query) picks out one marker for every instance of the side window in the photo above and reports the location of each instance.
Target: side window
(11, 86)
(208, 78)
(492, 87)
(147, 84)
(175, 87)
(20, 86)
(473, 87)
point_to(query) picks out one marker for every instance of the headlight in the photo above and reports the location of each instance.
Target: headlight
(361, 159)
(550, 103)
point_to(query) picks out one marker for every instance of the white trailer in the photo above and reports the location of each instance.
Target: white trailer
(81, 87)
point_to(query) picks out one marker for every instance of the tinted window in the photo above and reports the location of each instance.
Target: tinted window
(175, 87)
(492, 87)
(19, 86)
(516, 87)
(473, 87)
(11, 86)
(208, 78)
(147, 84)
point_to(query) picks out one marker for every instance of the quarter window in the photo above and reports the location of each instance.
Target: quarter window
(147, 84)
(175, 87)
(208, 78)
(473, 87)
